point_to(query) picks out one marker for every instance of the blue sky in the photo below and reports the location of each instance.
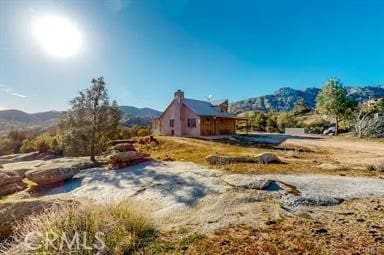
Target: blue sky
(147, 49)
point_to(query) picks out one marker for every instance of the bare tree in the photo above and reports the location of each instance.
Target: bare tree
(367, 124)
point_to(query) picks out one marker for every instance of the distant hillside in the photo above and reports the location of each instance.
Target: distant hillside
(18, 119)
(284, 99)
(138, 116)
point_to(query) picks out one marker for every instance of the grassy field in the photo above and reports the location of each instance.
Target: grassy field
(300, 155)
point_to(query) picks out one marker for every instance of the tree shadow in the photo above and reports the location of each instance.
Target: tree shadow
(151, 175)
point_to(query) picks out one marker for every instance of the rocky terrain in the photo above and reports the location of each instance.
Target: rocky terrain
(186, 194)
(284, 99)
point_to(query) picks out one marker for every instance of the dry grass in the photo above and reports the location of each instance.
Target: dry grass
(117, 226)
(298, 161)
(355, 227)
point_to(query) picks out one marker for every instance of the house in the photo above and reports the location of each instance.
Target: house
(193, 118)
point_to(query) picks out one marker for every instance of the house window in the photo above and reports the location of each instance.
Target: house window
(172, 123)
(191, 123)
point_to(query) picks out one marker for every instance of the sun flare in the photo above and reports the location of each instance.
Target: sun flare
(58, 36)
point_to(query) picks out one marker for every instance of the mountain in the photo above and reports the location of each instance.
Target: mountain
(138, 116)
(18, 119)
(285, 99)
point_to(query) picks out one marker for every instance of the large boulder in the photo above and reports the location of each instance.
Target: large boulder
(11, 188)
(263, 158)
(126, 158)
(15, 212)
(11, 182)
(121, 147)
(51, 175)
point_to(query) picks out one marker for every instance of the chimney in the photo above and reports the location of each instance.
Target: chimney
(179, 94)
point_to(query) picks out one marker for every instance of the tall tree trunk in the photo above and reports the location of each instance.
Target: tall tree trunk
(337, 126)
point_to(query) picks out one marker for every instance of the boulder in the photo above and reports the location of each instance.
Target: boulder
(121, 147)
(263, 158)
(268, 158)
(126, 156)
(247, 182)
(11, 188)
(18, 157)
(9, 176)
(15, 212)
(46, 176)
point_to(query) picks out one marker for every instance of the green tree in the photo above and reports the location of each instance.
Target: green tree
(333, 101)
(286, 120)
(301, 107)
(260, 120)
(91, 122)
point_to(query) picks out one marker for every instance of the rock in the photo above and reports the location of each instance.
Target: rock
(46, 176)
(14, 212)
(121, 147)
(47, 155)
(313, 201)
(18, 157)
(263, 158)
(269, 158)
(126, 156)
(9, 176)
(247, 182)
(11, 182)
(11, 188)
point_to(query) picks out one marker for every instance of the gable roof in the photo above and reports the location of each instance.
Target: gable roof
(204, 108)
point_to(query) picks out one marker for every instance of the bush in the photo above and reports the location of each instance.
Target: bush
(12, 142)
(134, 131)
(28, 146)
(42, 144)
(286, 120)
(92, 225)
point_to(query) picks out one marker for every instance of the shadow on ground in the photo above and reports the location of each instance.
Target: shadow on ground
(184, 188)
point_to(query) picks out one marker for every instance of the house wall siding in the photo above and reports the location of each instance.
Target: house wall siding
(188, 114)
(170, 113)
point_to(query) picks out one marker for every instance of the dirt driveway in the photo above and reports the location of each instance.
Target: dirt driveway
(346, 150)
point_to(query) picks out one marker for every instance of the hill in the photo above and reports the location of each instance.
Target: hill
(10, 119)
(284, 99)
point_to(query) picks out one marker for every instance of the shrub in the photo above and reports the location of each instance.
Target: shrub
(286, 120)
(27, 146)
(42, 144)
(92, 225)
(134, 131)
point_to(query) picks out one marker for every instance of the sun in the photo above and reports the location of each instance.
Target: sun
(57, 35)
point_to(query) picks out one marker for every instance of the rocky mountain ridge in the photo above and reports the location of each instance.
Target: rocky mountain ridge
(285, 98)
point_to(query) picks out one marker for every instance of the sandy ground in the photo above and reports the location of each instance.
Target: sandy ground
(182, 194)
(346, 150)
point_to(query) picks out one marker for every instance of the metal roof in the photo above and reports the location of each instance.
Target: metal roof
(204, 108)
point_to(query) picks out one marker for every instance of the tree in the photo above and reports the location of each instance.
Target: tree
(286, 120)
(301, 107)
(259, 120)
(333, 101)
(91, 122)
(366, 124)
